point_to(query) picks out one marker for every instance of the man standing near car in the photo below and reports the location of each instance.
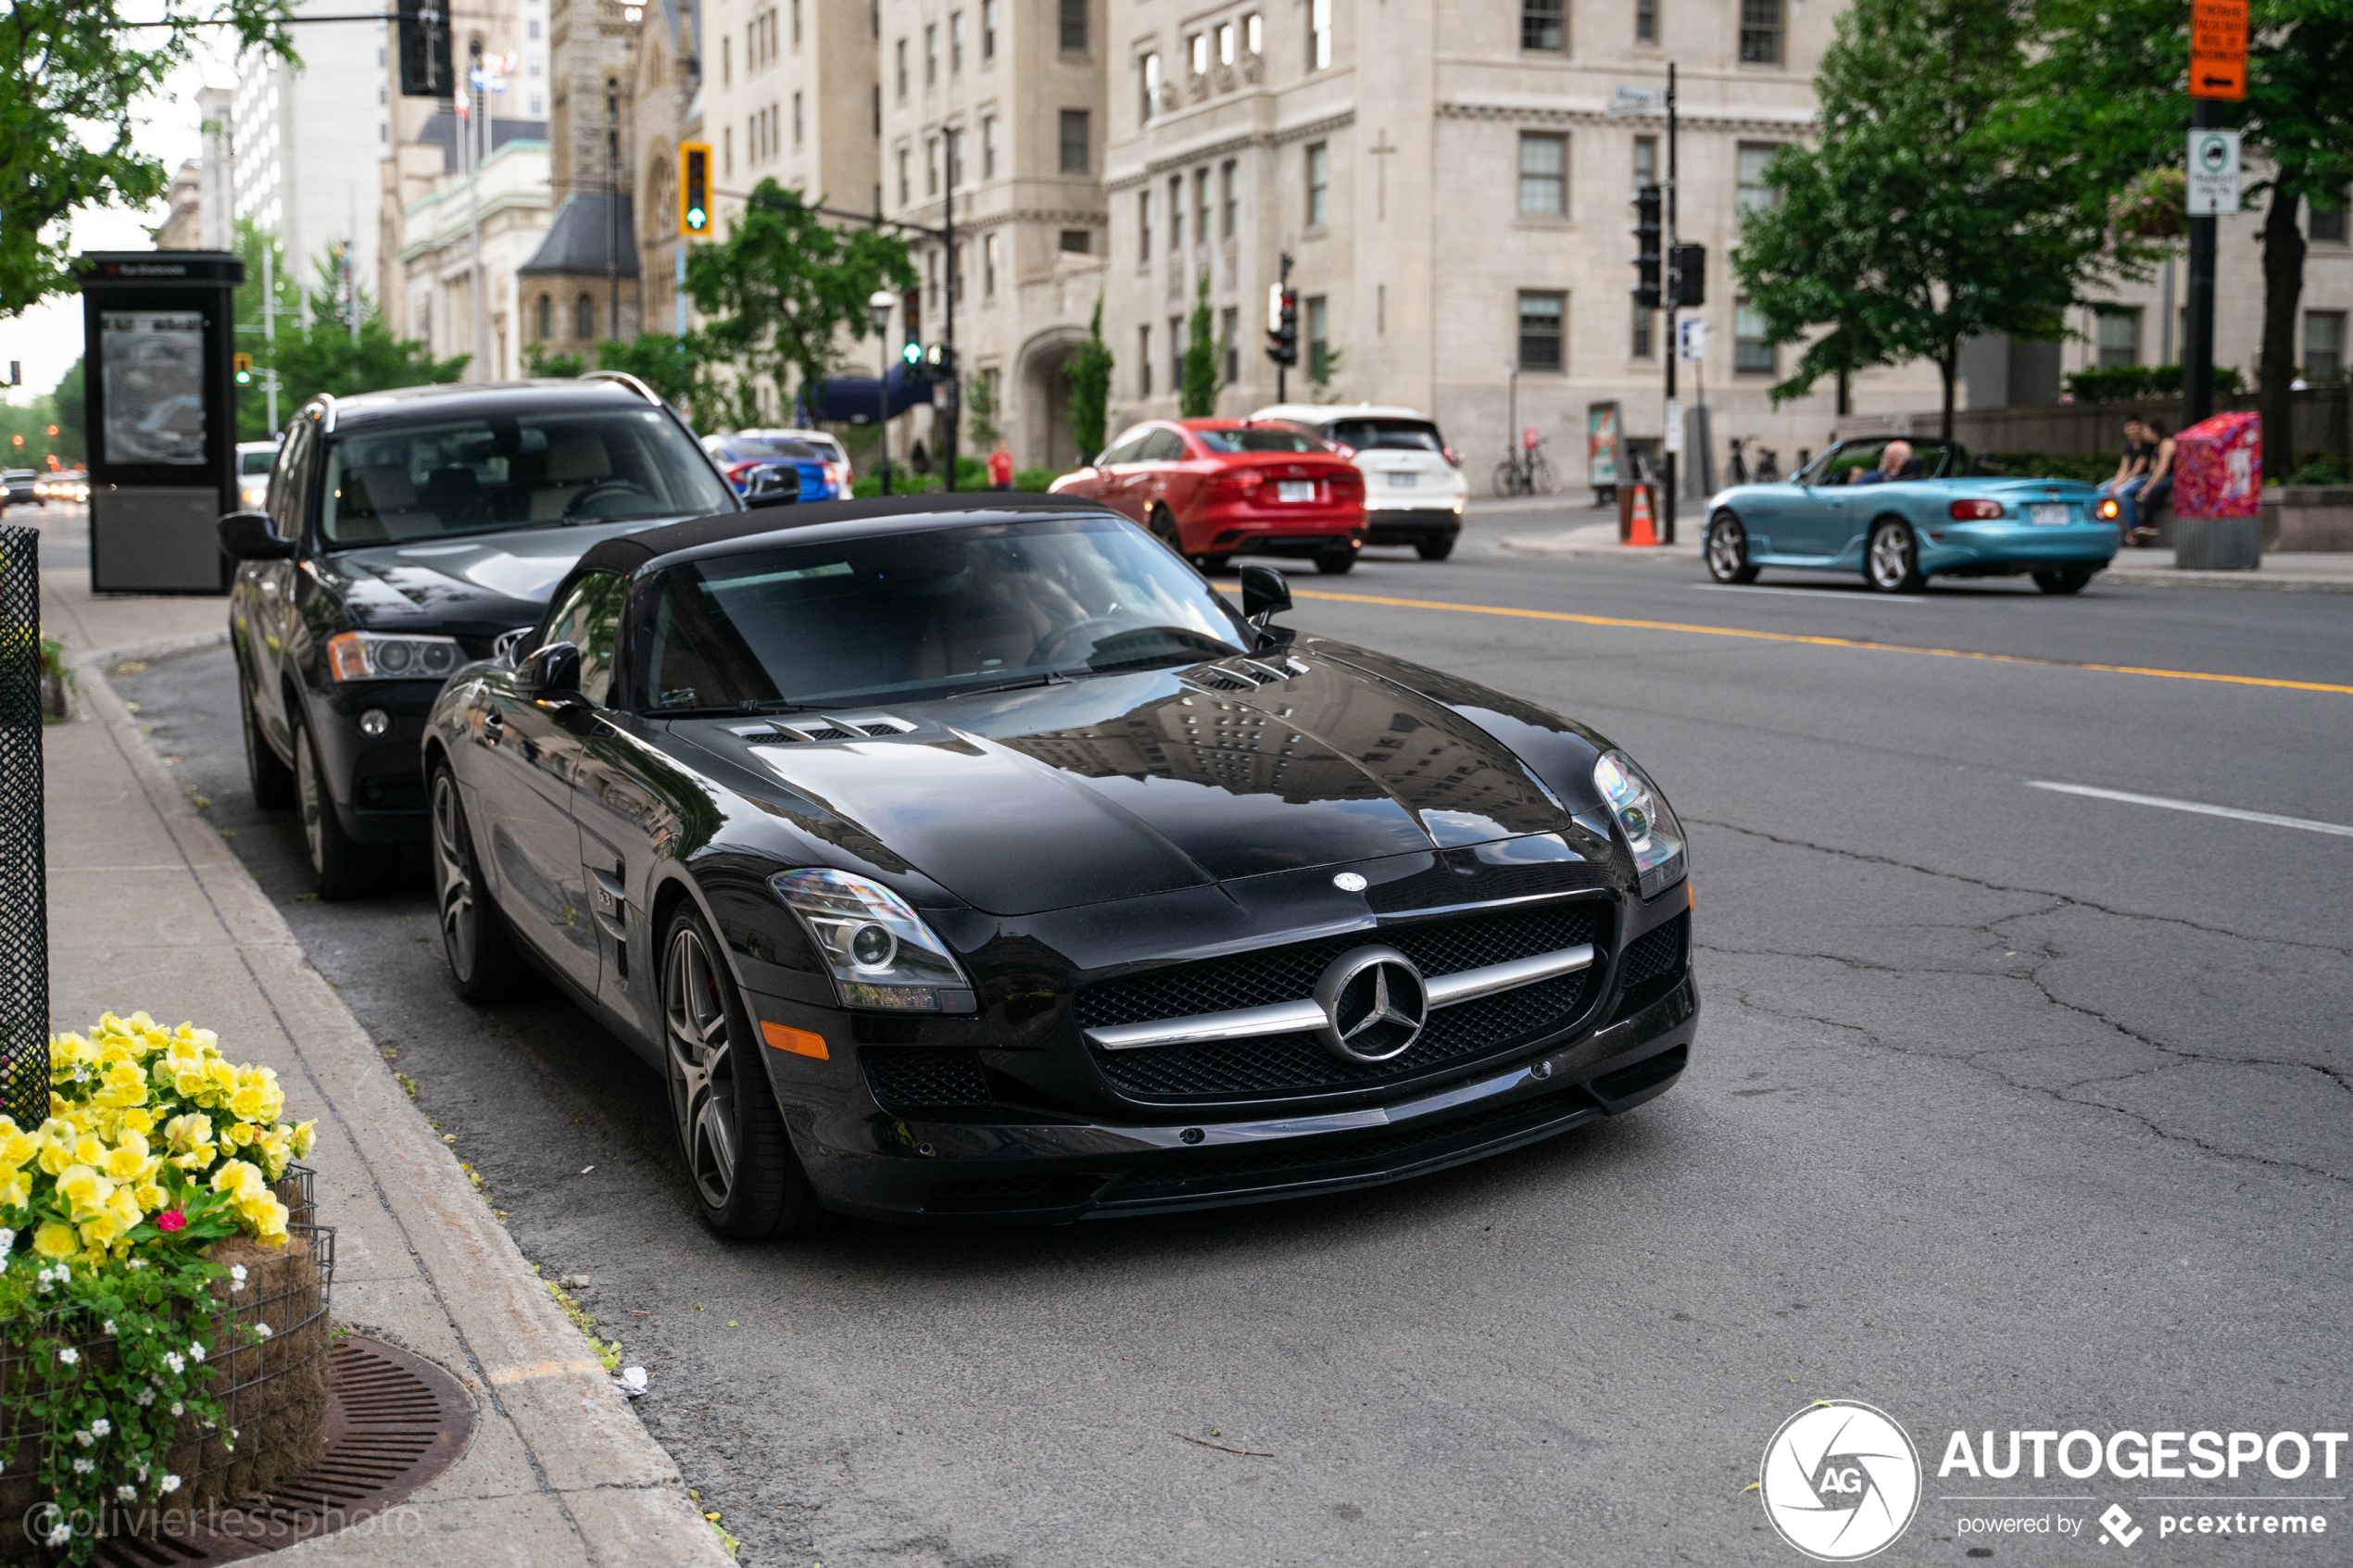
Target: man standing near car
(1000, 467)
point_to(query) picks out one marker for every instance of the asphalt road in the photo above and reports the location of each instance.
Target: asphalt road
(2012, 1110)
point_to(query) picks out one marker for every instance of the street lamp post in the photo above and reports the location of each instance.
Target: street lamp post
(878, 306)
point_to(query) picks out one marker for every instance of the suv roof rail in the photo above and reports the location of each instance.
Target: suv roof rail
(624, 378)
(326, 412)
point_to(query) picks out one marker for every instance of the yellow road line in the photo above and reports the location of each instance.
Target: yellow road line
(1822, 642)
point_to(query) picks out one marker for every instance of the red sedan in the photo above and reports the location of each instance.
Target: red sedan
(1213, 489)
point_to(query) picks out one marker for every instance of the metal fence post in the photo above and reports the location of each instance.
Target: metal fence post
(24, 891)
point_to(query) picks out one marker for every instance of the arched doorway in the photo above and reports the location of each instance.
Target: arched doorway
(1039, 423)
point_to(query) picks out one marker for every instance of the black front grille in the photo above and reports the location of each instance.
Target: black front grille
(909, 1078)
(1653, 963)
(1280, 1064)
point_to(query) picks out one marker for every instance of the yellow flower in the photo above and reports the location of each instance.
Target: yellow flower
(16, 1190)
(127, 1162)
(16, 1147)
(305, 1133)
(241, 1179)
(124, 1206)
(239, 1135)
(101, 1229)
(151, 1198)
(139, 1120)
(88, 1150)
(268, 1217)
(84, 1189)
(53, 1240)
(122, 1087)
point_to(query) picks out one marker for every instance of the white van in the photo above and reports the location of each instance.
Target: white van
(1414, 491)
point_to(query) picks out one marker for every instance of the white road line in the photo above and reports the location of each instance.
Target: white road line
(1858, 596)
(2307, 823)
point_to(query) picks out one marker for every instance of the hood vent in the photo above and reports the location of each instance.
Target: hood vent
(1246, 675)
(829, 728)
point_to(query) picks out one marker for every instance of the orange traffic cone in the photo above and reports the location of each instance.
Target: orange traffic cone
(1639, 531)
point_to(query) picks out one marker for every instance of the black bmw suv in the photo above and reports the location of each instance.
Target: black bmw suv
(405, 533)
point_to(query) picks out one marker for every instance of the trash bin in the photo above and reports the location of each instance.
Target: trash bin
(2218, 495)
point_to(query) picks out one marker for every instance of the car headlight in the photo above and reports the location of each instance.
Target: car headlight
(382, 656)
(878, 950)
(1644, 816)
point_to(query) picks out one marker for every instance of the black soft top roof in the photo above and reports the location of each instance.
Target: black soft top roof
(874, 514)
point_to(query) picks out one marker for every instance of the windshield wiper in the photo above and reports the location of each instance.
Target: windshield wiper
(732, 710)
(1051, 678)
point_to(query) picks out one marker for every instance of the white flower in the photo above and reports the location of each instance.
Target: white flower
(261, 1331)
(70, 1356)
(83, 1466)
(126, 1493)
(177, 1409)
(109, 1329)
(145, 1396)
(7, 1238)
(196, 1352)
(237, 1274)
(177, 1362)
(84, 1438)
(59, 1534)
(170, 1484)
(102, 1426)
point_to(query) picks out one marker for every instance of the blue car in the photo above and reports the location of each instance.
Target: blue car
(1903, 509)
(740, 455)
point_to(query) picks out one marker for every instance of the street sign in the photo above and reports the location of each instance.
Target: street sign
(1624, 100)
(2218, 49)
(2214, 174)
(1692, 340)
(1674, 424)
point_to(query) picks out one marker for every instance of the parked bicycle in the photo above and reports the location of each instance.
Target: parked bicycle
(1768, 463)
(1526, 473)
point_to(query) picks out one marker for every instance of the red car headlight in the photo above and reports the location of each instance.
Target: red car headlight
(1974, 511)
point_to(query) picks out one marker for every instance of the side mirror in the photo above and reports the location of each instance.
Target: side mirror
(777, 484)
(1263, 594)
(248, 536)
(550, 674)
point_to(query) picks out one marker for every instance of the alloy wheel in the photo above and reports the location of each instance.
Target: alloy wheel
(312, 801)
(1727, 549)
(1890, 563)
(703, 1079)
(460, 920)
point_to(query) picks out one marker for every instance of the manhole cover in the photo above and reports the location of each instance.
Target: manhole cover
(396, 1422)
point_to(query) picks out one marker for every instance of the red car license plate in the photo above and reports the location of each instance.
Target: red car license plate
(1295, 490)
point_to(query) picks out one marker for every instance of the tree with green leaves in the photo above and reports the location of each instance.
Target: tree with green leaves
(325, 355)
(538, 361)
(2107, 91)
(783, 287)
(980, 412)
(77, 76)
(1089, 375)
(1923, 217)
(1197, 394)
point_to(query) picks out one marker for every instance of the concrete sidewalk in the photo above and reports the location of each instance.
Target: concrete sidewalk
(2320, 573)
(149, 910)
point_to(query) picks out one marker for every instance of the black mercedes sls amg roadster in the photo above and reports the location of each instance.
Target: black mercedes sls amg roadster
(969, 856)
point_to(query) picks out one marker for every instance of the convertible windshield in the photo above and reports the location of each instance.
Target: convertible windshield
(1259, 438)
(488, 475)
(918, 615)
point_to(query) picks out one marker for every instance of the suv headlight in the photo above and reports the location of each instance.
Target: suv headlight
(1644, 816)
(381, 655)
(878, 950)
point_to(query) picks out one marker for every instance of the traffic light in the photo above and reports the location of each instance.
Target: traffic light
(694, 188)
(1282, 324)
(911, 352)
(425, 67)
(940, 362)
(1646, 258)
(244, 363)
(1687, 275)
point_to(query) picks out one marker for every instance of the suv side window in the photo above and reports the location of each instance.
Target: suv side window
(289, 481)
(590, 618)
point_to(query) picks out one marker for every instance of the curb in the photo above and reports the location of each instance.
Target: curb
(1544, 545)
(522, 1360)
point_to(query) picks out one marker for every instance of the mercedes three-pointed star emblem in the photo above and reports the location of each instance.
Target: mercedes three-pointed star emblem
(1374, 1004)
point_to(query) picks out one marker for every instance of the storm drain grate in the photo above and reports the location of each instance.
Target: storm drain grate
(395, 1423)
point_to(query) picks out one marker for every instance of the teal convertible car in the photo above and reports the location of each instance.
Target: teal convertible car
(1901, 510)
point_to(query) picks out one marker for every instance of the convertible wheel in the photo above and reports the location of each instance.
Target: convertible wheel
(482, 963)
(746, 1181)
(1891, 561)
(341, 867)
(2067, 581)
(273, 781)
(1727, 550)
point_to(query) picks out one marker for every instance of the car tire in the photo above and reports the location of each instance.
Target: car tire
(1726, 550)
(482, 963)
(1336, 563)
(341, 867)
(1892, 559)
(2069, 580)
(273, 781)
(1214, 565)
(1435, 549)
(1164, 528)
(748, 1183)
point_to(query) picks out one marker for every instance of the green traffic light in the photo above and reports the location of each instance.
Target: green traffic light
(913, 354)
(696, 218)
(245, 378)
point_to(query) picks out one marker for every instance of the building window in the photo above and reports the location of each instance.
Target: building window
(931, 53)
(1255, 33)
(2327, 223)
(1197, 51)
(1073, 141)
(956, 41)
(546, 316)
(989, 265)
(796, 23)
(2323, 345)
(1201, 207)
(1078, 241)
(583, 318)
(987, 29)
(1754, 157)
(1143, 225)
(1645, 338)
(1752, 355)
(1074, 26)
(1175, 215)
(1225, 44)
(901, 53)
(989, 148)
(956, 159)
(1318, 311)
(1542, 323)
(795, 119)
(1175, 353)
(1760, 32)
(2119, 338)
(1143, 361)
(1319, 34)
(1148, 87)
(931, 166)
(878, 112)
(1543, 174)
(1228, 199)
(1229, 348)
(1543, 24)
(1645, 22)
(1645, 161)
(1319, 184)
(904, 196)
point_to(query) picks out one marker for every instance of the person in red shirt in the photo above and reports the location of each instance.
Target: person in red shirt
(1000, 469)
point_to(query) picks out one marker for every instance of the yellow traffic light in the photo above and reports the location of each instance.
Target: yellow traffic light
(694, 187)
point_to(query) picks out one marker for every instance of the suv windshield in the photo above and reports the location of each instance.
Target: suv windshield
(1404, 435)
(923, 615)
(744, 447)
(497, 471)
(1258, 438)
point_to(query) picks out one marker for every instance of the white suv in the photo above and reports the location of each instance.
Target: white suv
(1414, 492)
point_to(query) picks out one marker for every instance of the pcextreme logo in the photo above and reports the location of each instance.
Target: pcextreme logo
(1840, 1481)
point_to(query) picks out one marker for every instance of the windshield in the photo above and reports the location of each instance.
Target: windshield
(1403, 435)
(923, 615)
(256, 462)
(501, 471)
(1258, 438)
(742, 448)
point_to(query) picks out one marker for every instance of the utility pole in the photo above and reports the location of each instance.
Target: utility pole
(2197, 335)
(469, 122)
(948, 321)
(1674, 438)
(612, 204)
